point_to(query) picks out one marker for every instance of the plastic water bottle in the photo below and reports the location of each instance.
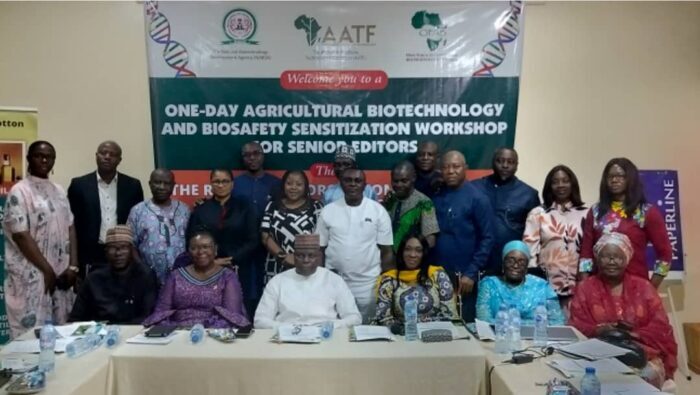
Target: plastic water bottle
(47, 346)
(502, 322)
(112, 336)
(410, 315)
(197, 334)
(541, 322)
(84, 345)
(590, 385)
(514, 327)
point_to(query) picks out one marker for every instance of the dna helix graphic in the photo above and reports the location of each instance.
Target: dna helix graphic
(174, 53)
(494, 52)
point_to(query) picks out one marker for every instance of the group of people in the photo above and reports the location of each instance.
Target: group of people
(260, 251)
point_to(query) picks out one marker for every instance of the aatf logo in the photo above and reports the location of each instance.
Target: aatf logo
(431, 27)
(355, 34)
(240, 26)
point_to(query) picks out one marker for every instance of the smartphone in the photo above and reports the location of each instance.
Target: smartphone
(244, 332)
(160, 330)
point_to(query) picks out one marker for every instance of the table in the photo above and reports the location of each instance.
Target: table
(86, 375)
(258, 366)
(524, 379)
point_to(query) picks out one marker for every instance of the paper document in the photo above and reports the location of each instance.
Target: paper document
(32, 346)
(74, 329)
(592, 349)
(361, 333)
(570, 367)
(142, 339)
(484, 331)
(446, 325)
(637, 388)
(296, 333)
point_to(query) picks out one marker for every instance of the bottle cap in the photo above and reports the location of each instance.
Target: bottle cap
(590, 370)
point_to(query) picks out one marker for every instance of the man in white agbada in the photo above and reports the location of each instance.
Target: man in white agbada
(356, 234)
(308, 294)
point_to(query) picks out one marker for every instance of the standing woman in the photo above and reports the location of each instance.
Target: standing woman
(293, 214)
(623, 208)
(554, 230)
(233, 223)
(40, 249)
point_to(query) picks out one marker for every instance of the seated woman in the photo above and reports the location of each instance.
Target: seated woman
(518, 288)
(202, 292)
(430, 285)
(616, 299)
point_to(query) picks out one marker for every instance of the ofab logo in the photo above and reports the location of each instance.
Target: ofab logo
(430, 26)
(240, 26)
(355, 34)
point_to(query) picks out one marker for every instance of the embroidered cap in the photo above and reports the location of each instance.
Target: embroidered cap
(307, 241)
(345, 152)
(118, 234)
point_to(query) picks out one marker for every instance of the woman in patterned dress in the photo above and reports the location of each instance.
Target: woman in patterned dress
(293, 214)
(622, 208)
(553, 232)
(430, 286)
(40, 248)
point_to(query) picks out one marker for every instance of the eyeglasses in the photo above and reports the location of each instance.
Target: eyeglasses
(610, 258)
(220, 182)
(515, 261)
(252, 154)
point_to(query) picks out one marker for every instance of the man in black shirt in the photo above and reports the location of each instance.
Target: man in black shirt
(124, 292)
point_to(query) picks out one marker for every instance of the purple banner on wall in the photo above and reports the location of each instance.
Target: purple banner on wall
(662, 190)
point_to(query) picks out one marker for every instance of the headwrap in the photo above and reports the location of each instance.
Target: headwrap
(516, 245)
(617, 239)
(118, 234)
(345, 152)
(307, 241)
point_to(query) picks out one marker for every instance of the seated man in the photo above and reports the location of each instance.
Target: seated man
(124, 292)
(307, 295)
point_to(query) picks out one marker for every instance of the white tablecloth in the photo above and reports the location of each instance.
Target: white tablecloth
(528, 379)
(258, 366)
(86, 375)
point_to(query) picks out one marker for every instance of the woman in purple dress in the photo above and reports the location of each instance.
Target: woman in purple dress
(202, 292)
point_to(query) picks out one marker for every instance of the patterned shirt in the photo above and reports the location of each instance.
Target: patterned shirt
(436, 298)
(554, 236)
(415, 214)
(283, 225)
(159, 234)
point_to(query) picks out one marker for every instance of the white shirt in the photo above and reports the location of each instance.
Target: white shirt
(351, 235)
(291, 298)
(108, 205)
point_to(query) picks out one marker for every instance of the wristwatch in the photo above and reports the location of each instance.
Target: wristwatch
(281, 255)
(74, 269)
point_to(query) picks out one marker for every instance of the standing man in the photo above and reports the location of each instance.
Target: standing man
(466, 230)
(99, 201)
(344, 159)
(356, 236)
(411, 212)
(254, 185)
(428, 176)
(159, 225)
(257, 188)
(511, 201)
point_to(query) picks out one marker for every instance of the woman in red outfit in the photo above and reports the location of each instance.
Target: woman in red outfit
(614, 299)
(622, 208)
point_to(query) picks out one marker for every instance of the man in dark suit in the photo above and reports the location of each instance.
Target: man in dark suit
(99, 201)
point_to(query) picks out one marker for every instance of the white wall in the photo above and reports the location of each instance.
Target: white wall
(599, 80)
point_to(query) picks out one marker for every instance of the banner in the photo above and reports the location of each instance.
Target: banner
(303, 78)
(18, 128)
(662, 190)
